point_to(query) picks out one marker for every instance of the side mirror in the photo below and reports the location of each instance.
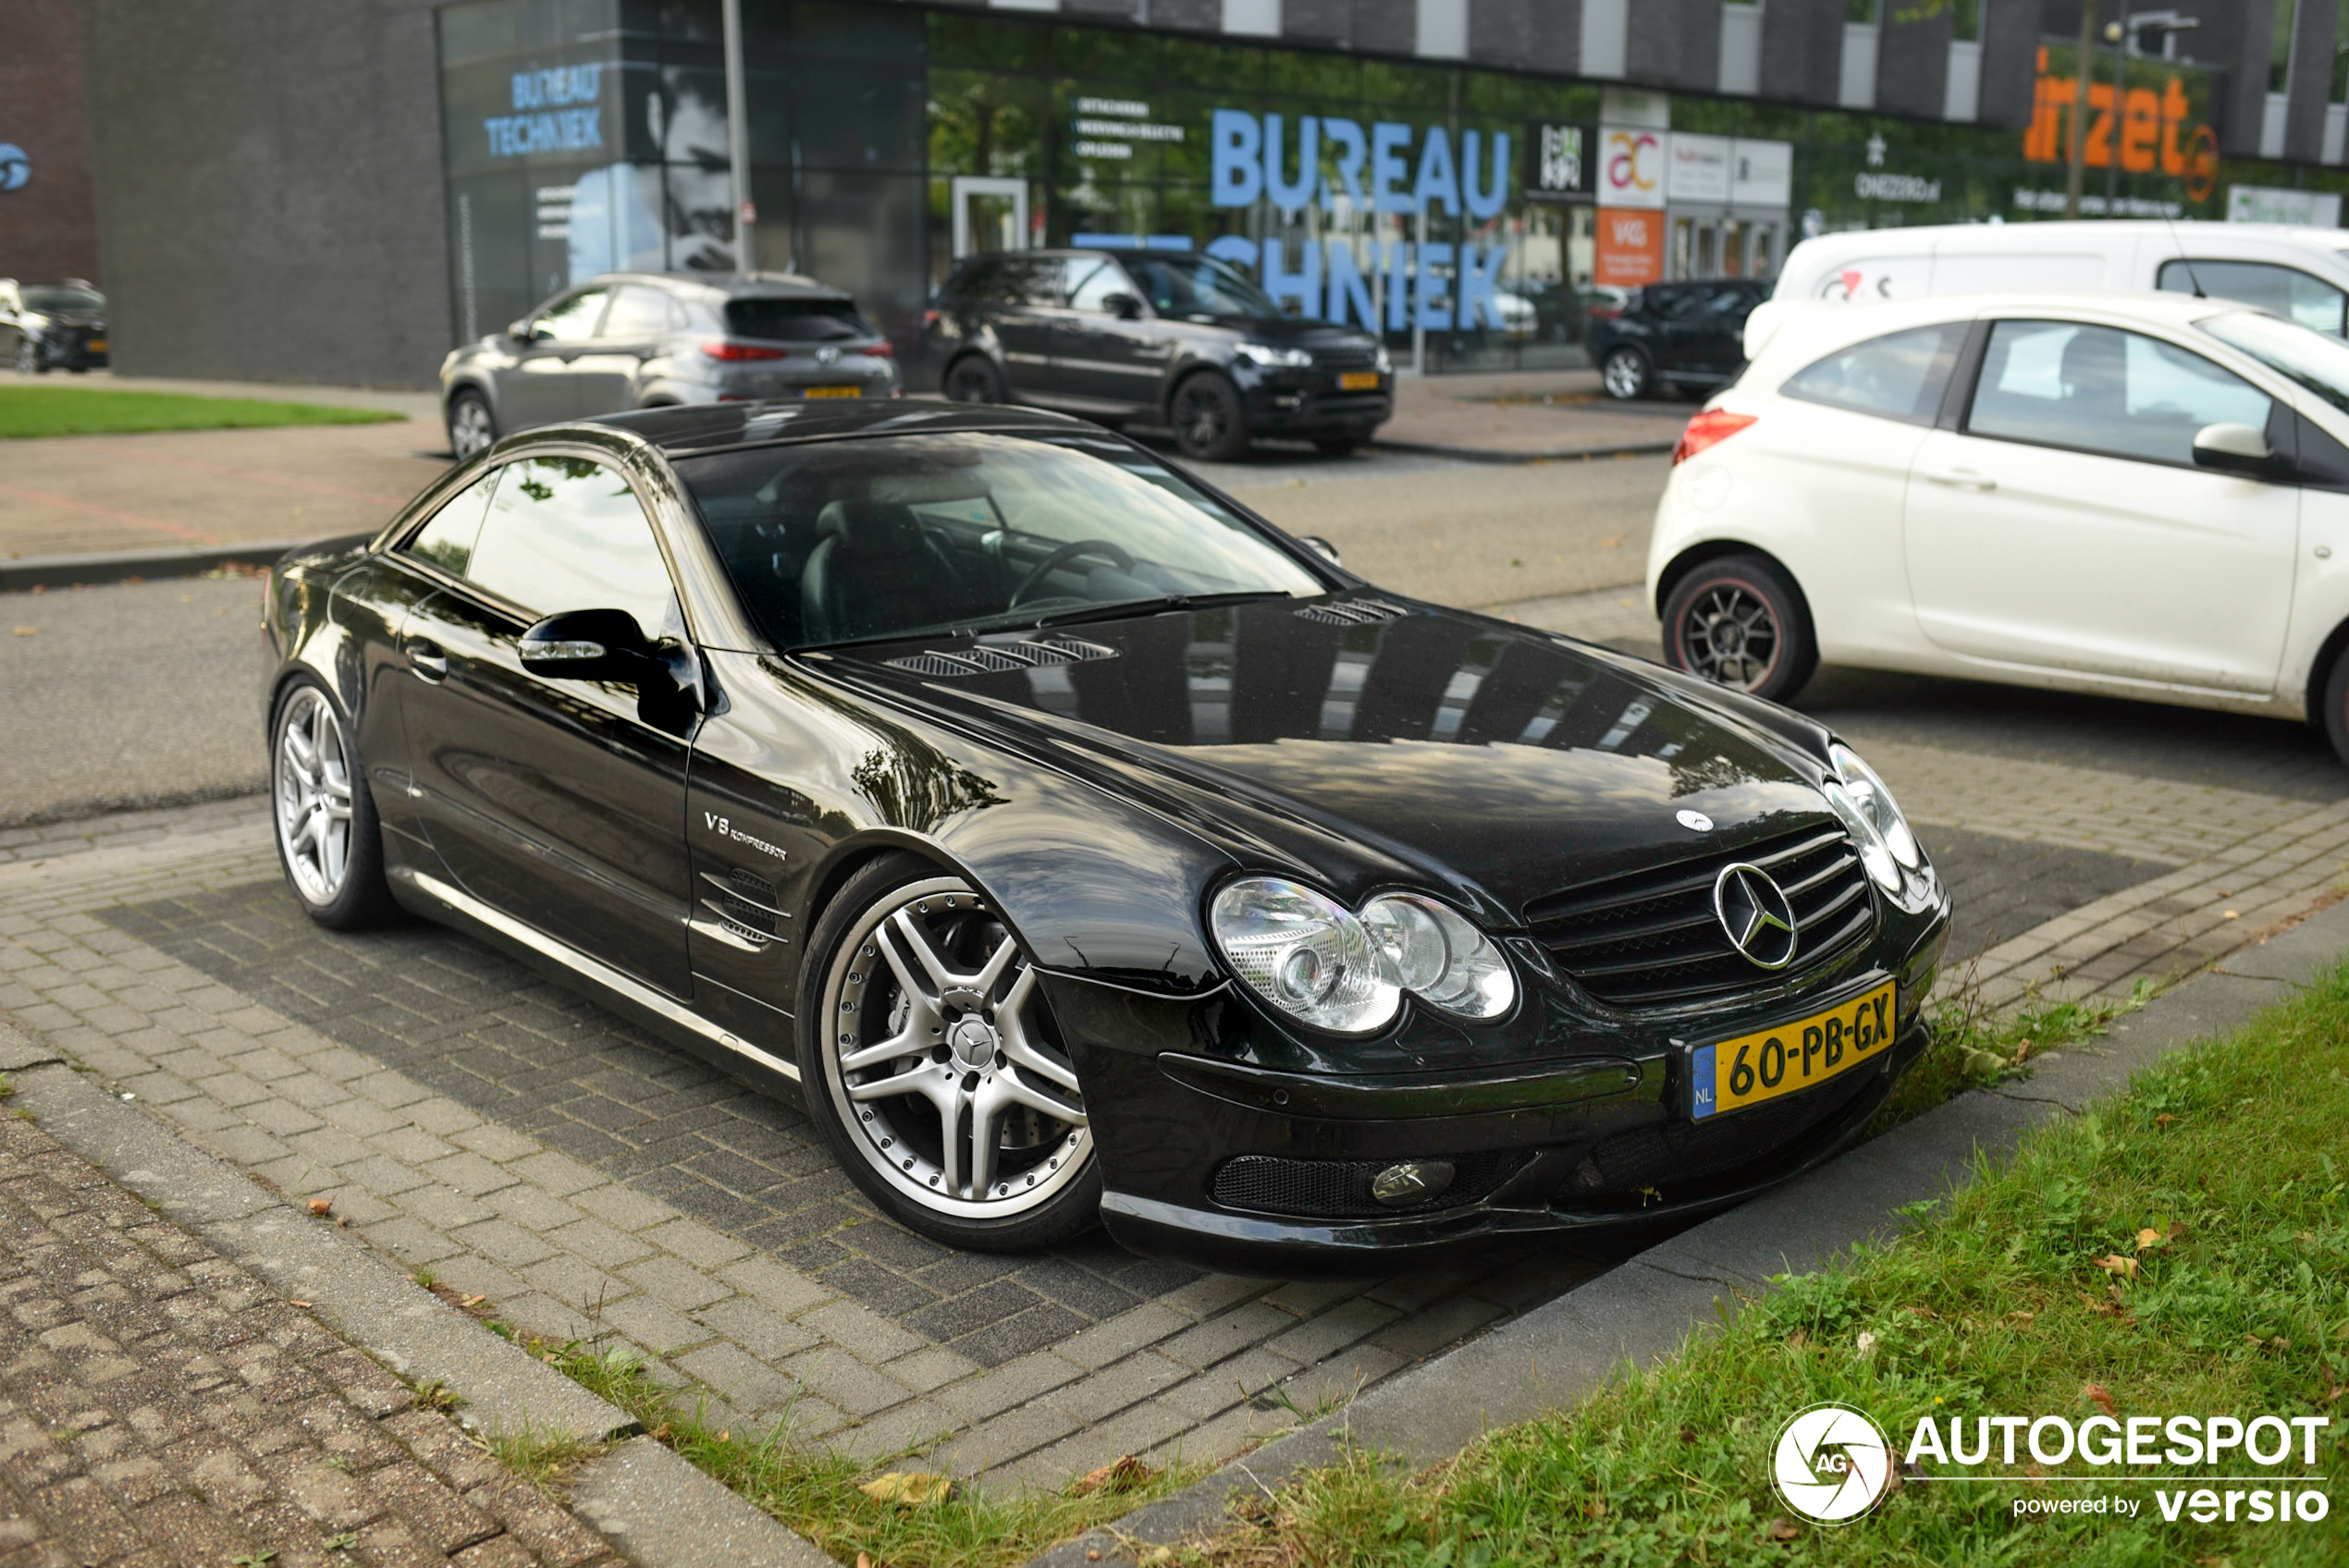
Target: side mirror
(589, 645)
(519, 331)
(1321, 547)
(1123, 306)
(2233, 449)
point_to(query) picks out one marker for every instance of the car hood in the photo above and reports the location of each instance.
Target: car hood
(1431, 747)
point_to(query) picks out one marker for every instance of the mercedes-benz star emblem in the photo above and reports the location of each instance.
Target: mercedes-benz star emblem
(1694, 821)
(1755, 912)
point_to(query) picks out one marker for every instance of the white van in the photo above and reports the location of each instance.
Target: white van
(2299, 273)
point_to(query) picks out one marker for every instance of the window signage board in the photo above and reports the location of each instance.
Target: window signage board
(1561, 161)
(1698, 168)
(1631, 167)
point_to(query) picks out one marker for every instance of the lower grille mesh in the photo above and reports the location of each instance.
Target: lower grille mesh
(1668, 1153)
(1339, 1189)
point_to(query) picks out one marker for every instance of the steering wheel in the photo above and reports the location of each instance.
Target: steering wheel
(1114, 552)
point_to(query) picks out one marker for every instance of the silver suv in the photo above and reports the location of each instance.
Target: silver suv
(641, 340)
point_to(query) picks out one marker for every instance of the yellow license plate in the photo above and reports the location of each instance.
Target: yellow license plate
(1732, 1075)
(835, 392)
(98, 345)
(1358, 381)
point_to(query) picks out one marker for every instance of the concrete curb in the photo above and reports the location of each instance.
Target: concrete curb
(659, 1510)
(1568, 1349)
(26, 572)
(1545, 454)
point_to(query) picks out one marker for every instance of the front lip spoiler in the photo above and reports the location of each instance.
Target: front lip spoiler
(1271, 1246)
(1386, 1095)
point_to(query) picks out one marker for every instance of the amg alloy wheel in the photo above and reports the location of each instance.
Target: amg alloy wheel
(938, 1072)
(327, 837)
(472, 428)
(1739, 621)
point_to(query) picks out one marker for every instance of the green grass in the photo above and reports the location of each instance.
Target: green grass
(1973, 1044)
(27, 411)
(1993, 1302)
(817, 1492)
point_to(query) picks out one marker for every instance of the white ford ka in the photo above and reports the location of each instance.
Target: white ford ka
(2133, 494)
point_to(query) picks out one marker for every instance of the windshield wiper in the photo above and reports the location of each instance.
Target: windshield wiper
(1118, 608)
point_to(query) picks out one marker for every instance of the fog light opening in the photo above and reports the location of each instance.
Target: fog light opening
(1413, 1182)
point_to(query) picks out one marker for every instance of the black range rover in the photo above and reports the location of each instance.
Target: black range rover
(1155, 337)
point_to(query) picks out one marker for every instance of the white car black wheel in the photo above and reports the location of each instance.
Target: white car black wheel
(1739, 621)
(932, 1061)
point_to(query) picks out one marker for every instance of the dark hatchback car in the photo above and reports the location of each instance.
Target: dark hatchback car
(645, 340)
(53, 326)
(1155, 338)
(1690, 336)
(1080, 849)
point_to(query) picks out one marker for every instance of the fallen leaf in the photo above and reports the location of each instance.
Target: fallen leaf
(1781, 1529)
(473, 1301)
(2150, 1238)
(1092, 1554)
(1978, 1062)
(1866, 1343)
(1919, 1310)
(1610, 544)
(2022, 1052)
(1595, 1509)
(1122, 1474)
(1797, 1340)
(296, 1304)
(2097, 1394)
(322, 1207)
(2232, 914)
(2163, 1119)
(2019, 1316)
(2113, 1262)
(910, 1487)
(27, 631)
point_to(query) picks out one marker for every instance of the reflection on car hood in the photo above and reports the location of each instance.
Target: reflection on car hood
(1434, 747)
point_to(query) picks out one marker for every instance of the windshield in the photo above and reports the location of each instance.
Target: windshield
(47, 296)
(1200, 287)
(869, 540)
(2306, 356)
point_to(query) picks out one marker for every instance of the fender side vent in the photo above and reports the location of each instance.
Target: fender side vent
(999, 658)
(1351, 612)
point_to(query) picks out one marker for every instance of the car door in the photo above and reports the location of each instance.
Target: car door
(1677, 325)
(1722, 349)
(604, 372)
(2064, 526)
(538, 387)
(1024, 308)
(1104, 354)
(558, 803)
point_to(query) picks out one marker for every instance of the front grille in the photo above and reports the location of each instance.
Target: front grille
(1664, 1155)
(1651, 938)
(1351, 612)
(994, 658)
(1340, 1189)
(1344, 359)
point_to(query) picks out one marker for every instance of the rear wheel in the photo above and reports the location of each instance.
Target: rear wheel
(2336, 700)
(28, 360)
(472, 429)
(975, 379)
(1210, 425)
(932, 1064)
(328, 840)
(1625, 373)
(1740, 621)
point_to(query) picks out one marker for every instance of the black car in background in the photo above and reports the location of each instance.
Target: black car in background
(1079, 848)
(1688, 335)
(1155, 338)
(52, 326)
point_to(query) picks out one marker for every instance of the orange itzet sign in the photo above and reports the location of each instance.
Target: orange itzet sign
(2149, 132)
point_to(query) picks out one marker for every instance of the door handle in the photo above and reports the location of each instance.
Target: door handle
(1959, 478)
(426, 657)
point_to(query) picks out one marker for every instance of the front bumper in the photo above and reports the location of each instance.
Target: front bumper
(1216, 1163)
(1309, 404)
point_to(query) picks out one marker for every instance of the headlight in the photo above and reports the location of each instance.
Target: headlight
(1873, 855)
(1321, 964)
(1384, 362)
(1267, 357)
(1875, 802)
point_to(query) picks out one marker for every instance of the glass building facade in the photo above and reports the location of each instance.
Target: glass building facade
(1461, 211)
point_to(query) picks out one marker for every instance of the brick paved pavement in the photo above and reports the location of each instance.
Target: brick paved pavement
(159, 1407)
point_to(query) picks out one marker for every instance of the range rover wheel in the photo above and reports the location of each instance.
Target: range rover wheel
(472, 429)
(931, 1062)
(973, 379)
(1625, 374)
(328, 840)
(1740, 621)
(1208, 422)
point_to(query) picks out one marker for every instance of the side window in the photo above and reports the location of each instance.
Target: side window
(1091, 281)
(1900, 375)
(566, 534)
(568, 321)
(2287, 291)
(2120, 394)
(981, 280)
(448, 540)
(637, 313)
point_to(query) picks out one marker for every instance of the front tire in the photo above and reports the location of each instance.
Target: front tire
(2336, 700)
(329, 842)
(1625, 374)
(1210, 425)
(974, 379)
(472, 429)
(28, 360)
(1739, 621)
(931, 1061)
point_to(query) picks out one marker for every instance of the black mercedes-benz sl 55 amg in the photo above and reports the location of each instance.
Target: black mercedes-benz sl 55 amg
(1079, 848)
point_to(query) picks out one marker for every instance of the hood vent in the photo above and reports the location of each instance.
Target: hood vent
(1352, 612)
(996, 659)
